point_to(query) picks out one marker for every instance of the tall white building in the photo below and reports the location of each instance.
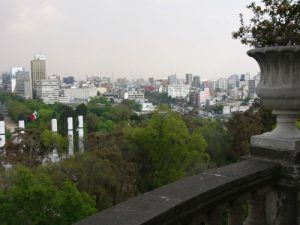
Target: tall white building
(178, 91)
(23, 84)
(222, 84)
(13, 72)
(80, 93)
(172, 80)
(134, 95)
(48, 90)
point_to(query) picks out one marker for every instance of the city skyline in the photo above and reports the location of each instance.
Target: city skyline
(133, 39)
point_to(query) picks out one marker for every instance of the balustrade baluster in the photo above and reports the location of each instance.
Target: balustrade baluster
(257, 209)
(197, 220)
(236, 214)
(214, 217)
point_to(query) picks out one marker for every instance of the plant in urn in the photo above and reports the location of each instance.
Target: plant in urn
(274, 32)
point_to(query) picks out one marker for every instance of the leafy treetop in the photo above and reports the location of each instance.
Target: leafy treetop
(276, 22)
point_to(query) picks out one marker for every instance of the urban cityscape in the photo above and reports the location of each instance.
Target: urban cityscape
(235, 92)
(140, 112)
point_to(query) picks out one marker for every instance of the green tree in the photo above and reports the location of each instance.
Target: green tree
(51, 140)
(65, 112)
(274, 23)
(100, 173)
(133, 105)
(33, 146)
(163, 149)
(81, 110)
(92, 121)
(218, 141)
(158, 98)
(15, 108)
(242, 126)
(33, 199)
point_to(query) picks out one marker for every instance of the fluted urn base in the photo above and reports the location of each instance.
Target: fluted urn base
(279, 89)
(286, 136)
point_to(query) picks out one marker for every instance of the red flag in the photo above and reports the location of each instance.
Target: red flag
(34, 116)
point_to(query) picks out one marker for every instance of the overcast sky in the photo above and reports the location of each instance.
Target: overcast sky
(127, 38)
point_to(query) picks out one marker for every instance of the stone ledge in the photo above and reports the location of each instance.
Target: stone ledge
(275, 143)
(181, 200)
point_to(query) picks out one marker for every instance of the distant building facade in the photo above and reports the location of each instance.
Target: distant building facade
(38, 69)
(178, 91)
(80, 93)
(222, 84)
(68, 80)
(6, 82)
(48, 90)
(189, 79)
(196, 82)
(134, 95)
(172, 79)
(13, 72)
(23, 84)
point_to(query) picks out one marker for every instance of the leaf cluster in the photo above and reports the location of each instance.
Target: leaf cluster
(242, 126)
(275, 23)
(164, 150)
(32, 199)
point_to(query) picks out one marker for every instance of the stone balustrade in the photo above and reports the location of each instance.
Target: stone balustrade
(263, 190)
(237, 194)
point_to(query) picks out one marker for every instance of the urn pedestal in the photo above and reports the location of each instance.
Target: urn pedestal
(279, 89)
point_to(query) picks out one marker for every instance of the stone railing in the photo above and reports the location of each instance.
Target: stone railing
(234, 192)
(264, 190)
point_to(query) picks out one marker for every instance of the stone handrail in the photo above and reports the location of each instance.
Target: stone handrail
(200, 199)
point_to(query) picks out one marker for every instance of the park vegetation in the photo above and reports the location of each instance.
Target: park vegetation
(126, 154)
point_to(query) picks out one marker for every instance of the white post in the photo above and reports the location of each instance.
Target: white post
(55, 157)
(54, 124)
(2, 133)
(70, 136)
(80, 133)
(22, 125)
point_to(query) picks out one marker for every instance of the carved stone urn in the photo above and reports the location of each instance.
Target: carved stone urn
(279, 89)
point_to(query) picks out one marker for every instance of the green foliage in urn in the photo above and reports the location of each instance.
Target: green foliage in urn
(275, 23)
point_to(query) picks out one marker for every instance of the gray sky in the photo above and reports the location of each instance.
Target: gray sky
(127, 38)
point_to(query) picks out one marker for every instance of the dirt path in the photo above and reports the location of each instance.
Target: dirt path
(9, 124)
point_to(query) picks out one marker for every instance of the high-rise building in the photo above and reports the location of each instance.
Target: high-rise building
(6, 81)
(222, 84)
(38, 69)
(194, 97)
(252, 88)
(233, 81)
(23, 85)
(178, 91)
(196, 82)
(245, 76)
(68, 80)
(9, 79)
(189, 79)
(151, 81)
(172, 80)
(48, 90)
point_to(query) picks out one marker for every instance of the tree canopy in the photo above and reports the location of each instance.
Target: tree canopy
(164, 149)
(33, 199)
